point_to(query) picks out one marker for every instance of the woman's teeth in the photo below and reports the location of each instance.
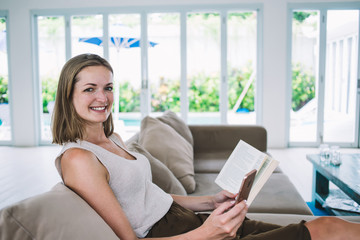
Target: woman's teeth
(98, 108)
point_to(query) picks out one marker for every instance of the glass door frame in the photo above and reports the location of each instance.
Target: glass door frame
(5, 14)
(320, 88)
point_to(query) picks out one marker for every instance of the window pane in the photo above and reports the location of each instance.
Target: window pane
(125, 58)
(51, 45)
(241, 52)
(203, 67)
(303, 113)
(164, 61)
(341, 75)
(5, 122)
(86, 34)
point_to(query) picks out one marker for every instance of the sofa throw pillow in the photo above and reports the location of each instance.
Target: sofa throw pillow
(165, 144)
(56, 214)
(161, 175)
(171, 119)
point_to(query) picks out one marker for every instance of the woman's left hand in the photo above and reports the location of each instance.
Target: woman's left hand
(221, 197)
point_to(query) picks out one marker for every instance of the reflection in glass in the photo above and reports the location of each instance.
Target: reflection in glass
(241, 53)
(125, 58)
(305, 40)
(51, 52)
(341, 75)
(164, 61)
(86, 27)
(5, 121)
(203, 67)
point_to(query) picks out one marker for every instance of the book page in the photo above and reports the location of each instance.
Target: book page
(262, 176)
(242, 160)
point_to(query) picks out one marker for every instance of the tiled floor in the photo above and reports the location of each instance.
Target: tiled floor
(25, 172)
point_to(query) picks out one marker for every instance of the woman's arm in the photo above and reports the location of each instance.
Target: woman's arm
(204, 203)
(85, 175)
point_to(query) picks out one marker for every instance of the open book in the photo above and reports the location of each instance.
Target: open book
(242, 160)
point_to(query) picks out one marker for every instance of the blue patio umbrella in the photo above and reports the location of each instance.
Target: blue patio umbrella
(117, 42)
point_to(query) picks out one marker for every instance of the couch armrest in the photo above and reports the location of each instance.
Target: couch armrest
(215, 138)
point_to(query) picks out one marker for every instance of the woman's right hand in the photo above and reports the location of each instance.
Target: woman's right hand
(225, 220)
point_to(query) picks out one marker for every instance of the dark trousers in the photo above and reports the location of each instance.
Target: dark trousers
(180, 220)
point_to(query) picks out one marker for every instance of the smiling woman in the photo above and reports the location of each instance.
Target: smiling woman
(89, 77)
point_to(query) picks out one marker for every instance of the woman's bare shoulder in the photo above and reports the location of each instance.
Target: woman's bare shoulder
(77, 155)
(77, 160)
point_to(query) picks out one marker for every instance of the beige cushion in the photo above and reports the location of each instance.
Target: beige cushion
(171, 119)
(161, 175)
(165, 144)
(57, 214)
(279, 195)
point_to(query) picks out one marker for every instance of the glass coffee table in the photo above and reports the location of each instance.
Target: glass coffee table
(346, 177)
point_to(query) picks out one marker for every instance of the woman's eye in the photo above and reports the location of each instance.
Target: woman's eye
(109, 89)
(89, 90)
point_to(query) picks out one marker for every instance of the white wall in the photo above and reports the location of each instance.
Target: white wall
(22, 85)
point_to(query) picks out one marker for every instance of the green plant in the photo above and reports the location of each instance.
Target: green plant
(167, 96)
(204, 93)
(48, 86)
(129, 100)
(4, 95)
(302, 16)
(303, 86)
(238, 79)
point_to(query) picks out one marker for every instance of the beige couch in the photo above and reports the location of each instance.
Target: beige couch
(212, 147)
(62, 214)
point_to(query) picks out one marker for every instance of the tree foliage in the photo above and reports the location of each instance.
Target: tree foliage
(302, 16)
(303, 86)
(166, 97)
(204, 93)
(49, 87)
(129, 98)
(238, 79)
(4, 96)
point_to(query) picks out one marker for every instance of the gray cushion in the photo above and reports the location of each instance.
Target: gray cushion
(171, 119)
(57, 214)
(165, 144)
(205, 184)
(279, 195)
(161, 175)
(210, 162)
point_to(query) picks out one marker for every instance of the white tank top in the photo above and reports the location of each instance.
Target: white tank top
(143, 202)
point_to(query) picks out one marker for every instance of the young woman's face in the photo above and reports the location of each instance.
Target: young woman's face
(93, 94)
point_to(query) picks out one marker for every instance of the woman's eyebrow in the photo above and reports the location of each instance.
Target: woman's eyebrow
(91, 84)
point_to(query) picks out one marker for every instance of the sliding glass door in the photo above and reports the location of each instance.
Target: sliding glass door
(341, 76)
(5, 119)
(200, 64)
(324, 77)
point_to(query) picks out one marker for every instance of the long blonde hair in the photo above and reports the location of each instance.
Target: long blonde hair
(67, 125)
